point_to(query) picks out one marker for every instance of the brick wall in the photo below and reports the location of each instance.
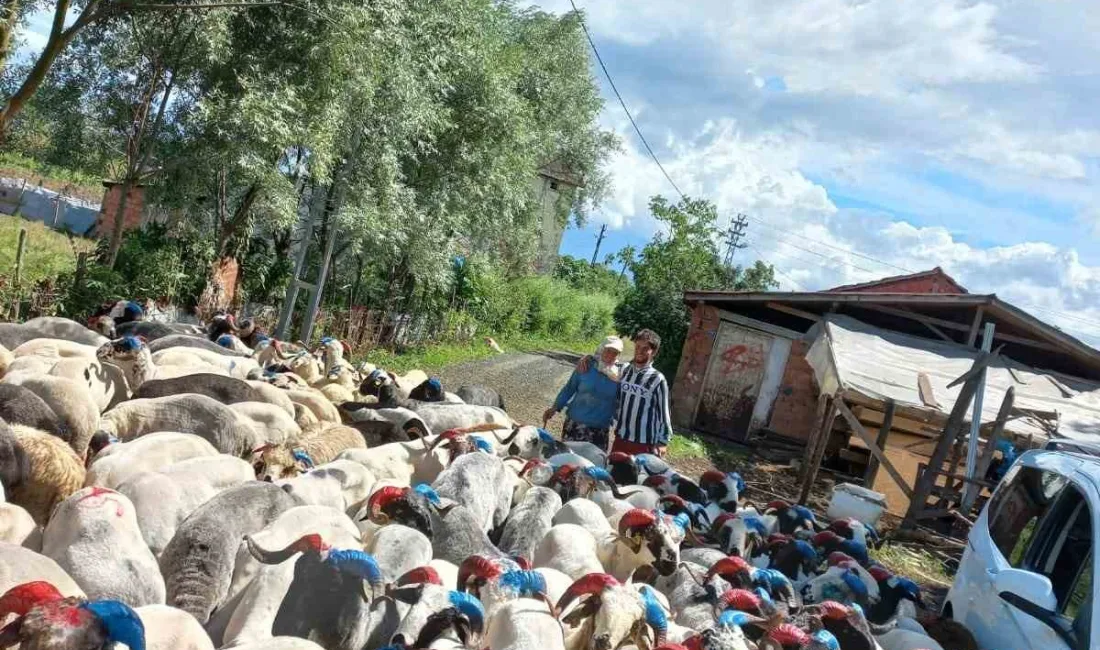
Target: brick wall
(131, 219)
(693, 363)
(796, 405)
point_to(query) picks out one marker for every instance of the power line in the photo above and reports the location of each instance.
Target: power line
(761, 222)
(776, 269)
(813, 252)
(629, 116)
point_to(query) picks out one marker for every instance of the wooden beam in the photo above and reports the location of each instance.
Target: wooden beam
(959, 327)
(924, 389)
(854, 423)
(971, 494)
(824, 430)
(972, 338)
(880, 442)
(752, 323)
(955, 421)
(793, 311)
(975, 372)
(938, 332)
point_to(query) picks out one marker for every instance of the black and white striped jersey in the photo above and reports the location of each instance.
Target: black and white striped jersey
(643, 414)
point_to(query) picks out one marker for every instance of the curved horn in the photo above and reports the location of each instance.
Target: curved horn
(121, 623)
(471, 608)
(304, 544)
(21, 599)
(511, 437)
(655, 616)
(419, 575)
(590, 585)
(729, 566)
(476, 566)
(635, 519)
(357, 563)
(382, 498)
(789, 635)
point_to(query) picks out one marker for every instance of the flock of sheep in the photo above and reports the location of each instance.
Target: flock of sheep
(171, 488)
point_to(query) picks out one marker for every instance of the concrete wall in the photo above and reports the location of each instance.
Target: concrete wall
(554, 204)
(49, 207)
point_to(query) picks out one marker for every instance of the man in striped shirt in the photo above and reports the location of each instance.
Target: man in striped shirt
(643, 422)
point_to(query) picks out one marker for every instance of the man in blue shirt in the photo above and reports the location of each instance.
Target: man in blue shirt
(590, 397)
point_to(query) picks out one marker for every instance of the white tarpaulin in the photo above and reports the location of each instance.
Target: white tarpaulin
(881, 365)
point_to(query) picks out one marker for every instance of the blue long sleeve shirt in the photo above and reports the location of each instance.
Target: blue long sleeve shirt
(591, 398)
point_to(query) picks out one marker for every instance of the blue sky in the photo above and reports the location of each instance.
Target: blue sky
(957, 133)
(931, 132)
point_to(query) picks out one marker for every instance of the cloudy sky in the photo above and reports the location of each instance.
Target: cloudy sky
(864, 138)
(917, 133)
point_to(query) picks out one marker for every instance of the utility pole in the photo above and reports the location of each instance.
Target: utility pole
(599, 240)
(734, 235)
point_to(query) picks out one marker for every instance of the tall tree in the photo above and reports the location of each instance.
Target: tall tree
(681, 259)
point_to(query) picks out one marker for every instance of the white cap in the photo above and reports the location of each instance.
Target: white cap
(612, 342)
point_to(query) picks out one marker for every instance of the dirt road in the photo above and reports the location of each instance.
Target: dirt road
(528, 382)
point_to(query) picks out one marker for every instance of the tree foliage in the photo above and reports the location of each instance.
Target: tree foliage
(683, 256)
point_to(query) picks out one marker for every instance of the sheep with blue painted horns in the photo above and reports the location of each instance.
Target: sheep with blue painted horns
(258, 589)
(198, 562)
(55, 472)
(47, 620)
(230, 432)
(329, 599)
(94, 536)
(118, 462)
(437, 613)
(165, 498)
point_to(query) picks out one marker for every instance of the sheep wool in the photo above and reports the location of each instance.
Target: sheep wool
(55, 473)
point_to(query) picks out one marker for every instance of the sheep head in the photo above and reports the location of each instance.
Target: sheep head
(273, 462)
(331, 591)
(124, 349)
(434, 611)
(46, 619)
(659, 536)
(403, 505)
(723, 489)
(738, 534)
(612, 614)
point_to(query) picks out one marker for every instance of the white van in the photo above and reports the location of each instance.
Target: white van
(1027, 580)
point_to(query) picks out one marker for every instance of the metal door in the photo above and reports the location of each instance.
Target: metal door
(734, 374)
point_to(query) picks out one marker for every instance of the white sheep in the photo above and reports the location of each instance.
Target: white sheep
(404, 462)
(165, 498)
(341, 484)
(106, 383)
(524, 624)
(18, 527)
(168, 628)
(315, 401)
(20, 565)
(94, 536)
(119, 462)
(229, 431)
(268, 417)
(73, 403)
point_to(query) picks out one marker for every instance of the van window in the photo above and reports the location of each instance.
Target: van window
(1018, 507)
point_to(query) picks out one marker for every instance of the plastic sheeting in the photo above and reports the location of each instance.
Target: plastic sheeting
(881, 364)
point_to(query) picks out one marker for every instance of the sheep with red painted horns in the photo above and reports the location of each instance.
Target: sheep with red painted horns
(46, 620)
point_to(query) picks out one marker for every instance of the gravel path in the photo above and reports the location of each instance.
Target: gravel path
(528, 382)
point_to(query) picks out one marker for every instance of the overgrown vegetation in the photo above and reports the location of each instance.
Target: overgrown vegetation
(691, 447)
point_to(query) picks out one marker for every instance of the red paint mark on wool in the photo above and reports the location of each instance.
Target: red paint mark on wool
(98, 496)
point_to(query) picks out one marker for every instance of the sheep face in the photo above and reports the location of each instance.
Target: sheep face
(657, 537)
(123, 350)
(274, 462)
(618, 620)
(434, 611)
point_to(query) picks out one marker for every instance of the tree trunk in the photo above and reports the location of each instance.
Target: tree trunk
(119, 224)
(9, 16)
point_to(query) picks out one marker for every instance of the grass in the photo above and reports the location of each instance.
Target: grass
(691, 447)
(58, 179)
(917, 564)
(48, 252)
(434, 357)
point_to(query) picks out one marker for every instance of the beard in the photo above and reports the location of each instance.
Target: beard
(611, 370)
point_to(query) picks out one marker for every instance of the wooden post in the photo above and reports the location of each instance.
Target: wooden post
(972, 489)
(951, 431)
(972, 337)
(883, 433)
(857, 428)
(819, 440)
(20, 249)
